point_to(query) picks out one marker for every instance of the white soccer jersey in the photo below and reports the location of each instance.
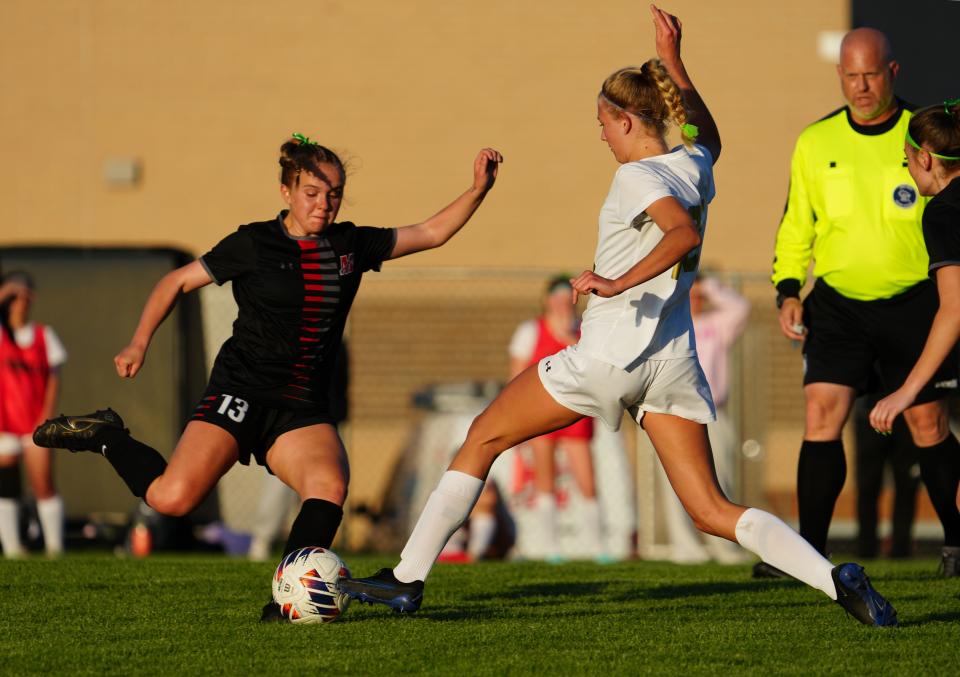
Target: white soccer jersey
(652, 320)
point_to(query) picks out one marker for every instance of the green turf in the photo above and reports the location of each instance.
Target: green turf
(189, 615)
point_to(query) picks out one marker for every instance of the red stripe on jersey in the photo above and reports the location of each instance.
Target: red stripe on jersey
(312, 276)
(212, 397)
(315, 299)
(308, 244)
(313, 287)
(310, 266)
(299, 399)
(312, 255)
(199, 415)
(310, 329)
(308, 339)
(204, 406)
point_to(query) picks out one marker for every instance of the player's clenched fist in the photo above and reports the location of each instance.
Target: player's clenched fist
(128, 361)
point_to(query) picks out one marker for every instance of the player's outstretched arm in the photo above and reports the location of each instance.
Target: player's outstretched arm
(668, 34)
(680, 237)
(943, 336)
(159, 304)
(443, 225)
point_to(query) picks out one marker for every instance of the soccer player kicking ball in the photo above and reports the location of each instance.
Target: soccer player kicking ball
(294, 279)
(636, 350)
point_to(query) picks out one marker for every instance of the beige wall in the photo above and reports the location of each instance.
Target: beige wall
(204, 91)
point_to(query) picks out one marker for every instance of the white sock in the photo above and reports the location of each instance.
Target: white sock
(10, 527)
(777, 544)
(545, 509)
(50, 511)
(592, 528)
(482, 529)
(446, 509)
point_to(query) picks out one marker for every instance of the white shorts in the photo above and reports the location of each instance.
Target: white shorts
(12, 445)
(594, 388)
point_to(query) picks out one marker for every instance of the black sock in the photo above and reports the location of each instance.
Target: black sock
(10, 483)
(137, 464)
(821, 473)
(316, 524)
(940, 470)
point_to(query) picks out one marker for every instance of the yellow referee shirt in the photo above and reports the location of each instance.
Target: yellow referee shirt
(853, 207)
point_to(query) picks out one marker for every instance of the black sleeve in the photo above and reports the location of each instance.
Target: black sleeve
(232, 257)
(374, 246)
(941, 233)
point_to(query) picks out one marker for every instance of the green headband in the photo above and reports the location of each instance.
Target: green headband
(936, 155)
(304, 140)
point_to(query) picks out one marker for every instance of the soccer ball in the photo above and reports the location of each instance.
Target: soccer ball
(305, 586)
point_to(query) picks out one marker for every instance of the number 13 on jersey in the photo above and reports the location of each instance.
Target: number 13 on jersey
(689, 263)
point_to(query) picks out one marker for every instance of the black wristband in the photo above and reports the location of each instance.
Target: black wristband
(787, 289)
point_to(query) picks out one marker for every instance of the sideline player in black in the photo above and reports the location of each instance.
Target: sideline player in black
(933, 158)
(294, 280)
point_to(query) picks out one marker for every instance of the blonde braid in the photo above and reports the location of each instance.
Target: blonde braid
(672, 98)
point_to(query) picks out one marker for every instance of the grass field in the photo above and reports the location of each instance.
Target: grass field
(190, 615)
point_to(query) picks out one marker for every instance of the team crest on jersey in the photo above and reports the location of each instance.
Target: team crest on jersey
(905, 196)
(346, 264)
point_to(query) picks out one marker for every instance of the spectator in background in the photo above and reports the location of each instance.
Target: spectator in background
(31, 355)
(719, 318)
(555, 329)
(874, 453)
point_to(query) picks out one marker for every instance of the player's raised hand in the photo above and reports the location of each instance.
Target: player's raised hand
(129, 360)
(588, 282)
(668, 34)
(485, 169)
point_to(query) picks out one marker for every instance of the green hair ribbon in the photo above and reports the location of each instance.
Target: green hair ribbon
(304, 140)
(948, 103)
(690, 131)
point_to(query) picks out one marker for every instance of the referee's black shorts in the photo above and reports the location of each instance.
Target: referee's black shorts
(871, 346)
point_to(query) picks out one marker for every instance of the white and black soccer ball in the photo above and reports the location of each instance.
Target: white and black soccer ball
(305, 586)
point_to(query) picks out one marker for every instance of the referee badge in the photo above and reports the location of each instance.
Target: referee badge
(905, 196)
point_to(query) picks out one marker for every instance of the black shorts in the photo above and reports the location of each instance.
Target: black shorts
(254, 426)
(871, 346)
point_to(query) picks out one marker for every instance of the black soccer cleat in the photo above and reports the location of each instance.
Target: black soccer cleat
(384, 588)
(950, 561)
(859, 599)
(76, 433)
(272, 614)
(764, 570)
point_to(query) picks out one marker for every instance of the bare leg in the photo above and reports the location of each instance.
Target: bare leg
(684, 450)
(521, 411)
(204, 453)
(39, 466)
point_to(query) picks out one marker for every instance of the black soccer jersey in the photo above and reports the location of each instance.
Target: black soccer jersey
(941, 227)
(293, 296)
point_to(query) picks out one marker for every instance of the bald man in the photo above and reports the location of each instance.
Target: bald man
(855, 212)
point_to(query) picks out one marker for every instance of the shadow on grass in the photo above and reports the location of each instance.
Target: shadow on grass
(709, 589)
(556, 592)
(948, 617)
